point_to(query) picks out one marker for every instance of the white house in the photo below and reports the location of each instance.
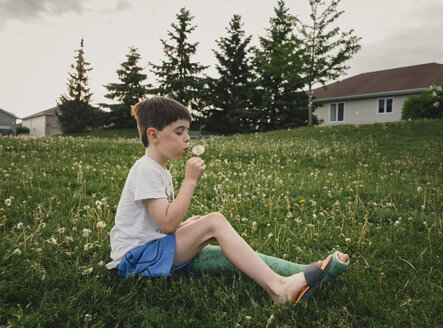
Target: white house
(42, 124)
(375, 96)
(8, 122)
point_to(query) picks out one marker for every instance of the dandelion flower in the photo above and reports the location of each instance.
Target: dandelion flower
(198, 150)
(61, 230)
(19, 225)
(16, 252)
(86, 232)
(419, 189)
(8, 202)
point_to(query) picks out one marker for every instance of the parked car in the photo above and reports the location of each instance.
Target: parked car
(6, 132)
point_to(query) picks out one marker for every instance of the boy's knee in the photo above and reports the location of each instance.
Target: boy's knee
(217, 220)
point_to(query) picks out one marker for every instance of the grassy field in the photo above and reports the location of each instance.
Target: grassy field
(373, 191)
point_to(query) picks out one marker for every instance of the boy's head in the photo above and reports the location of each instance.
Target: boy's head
(157, 112)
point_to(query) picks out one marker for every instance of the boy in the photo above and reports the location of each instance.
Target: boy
(150, 237)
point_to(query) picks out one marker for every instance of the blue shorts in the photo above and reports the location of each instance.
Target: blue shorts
(152, 260)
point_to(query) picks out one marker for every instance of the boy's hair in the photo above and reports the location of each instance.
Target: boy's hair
(157, 112)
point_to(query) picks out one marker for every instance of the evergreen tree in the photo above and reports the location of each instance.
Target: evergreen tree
(75, 114)
(127, 93)
(177, 76)
(325, 49)
(229, 94)
(280, 99)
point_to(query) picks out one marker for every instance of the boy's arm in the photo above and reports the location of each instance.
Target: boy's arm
(168, 216)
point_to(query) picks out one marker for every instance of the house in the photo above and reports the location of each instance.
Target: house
(42, 124)
(8, 123)
(375, 96)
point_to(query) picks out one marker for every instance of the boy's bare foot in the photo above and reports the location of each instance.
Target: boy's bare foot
(290, 287)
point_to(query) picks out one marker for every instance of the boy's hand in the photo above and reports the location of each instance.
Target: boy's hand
(194, 169)
(190, 220)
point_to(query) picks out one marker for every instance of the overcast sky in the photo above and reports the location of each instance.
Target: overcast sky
(38, 38)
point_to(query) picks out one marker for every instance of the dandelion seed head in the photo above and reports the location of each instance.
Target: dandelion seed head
(198, 150)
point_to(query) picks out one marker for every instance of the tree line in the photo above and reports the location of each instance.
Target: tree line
(258, 88)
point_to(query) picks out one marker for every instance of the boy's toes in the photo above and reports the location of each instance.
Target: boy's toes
(343, 257)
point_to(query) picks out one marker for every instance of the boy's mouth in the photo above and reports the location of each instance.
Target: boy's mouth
(186, 149)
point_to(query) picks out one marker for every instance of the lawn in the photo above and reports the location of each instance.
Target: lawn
(372, 191)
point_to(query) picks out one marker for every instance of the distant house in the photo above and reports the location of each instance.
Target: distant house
(375, 96)
(42, 124)
(8, 123)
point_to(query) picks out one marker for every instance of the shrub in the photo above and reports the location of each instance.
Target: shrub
(428, 104)
(22, 130)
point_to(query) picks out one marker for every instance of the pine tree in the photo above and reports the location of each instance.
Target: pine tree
(177, 76)
(127, 93)
(325, 50)
(75, 114)
(281, 100)
(229, 94)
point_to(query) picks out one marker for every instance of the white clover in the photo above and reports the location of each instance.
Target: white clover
(101, 224)
(52, 241)
(98, 203)
(61, 230)
(8, 202)
(87, 271)
(198, 150)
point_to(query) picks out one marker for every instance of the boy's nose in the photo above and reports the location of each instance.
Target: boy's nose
(187, 137)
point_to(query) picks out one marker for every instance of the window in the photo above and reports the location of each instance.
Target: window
(385, 106)
(337, 112)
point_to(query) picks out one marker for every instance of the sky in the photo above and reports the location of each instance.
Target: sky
(38, 38)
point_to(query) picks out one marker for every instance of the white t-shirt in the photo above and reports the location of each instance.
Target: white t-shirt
(133, 225)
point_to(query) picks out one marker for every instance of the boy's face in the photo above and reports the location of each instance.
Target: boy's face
(173, 139)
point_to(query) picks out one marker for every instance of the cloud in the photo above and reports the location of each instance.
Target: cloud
(32, 9)
(414, 41)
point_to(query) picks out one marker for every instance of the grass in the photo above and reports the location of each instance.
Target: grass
(373, 191)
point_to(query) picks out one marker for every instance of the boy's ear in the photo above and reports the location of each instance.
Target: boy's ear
(152, 135)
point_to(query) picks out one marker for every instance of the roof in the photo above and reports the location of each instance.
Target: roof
(403, 80)
(9, 113)
(48, 112)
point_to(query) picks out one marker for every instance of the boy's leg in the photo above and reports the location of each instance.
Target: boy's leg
(211, 259)
(191, 238)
